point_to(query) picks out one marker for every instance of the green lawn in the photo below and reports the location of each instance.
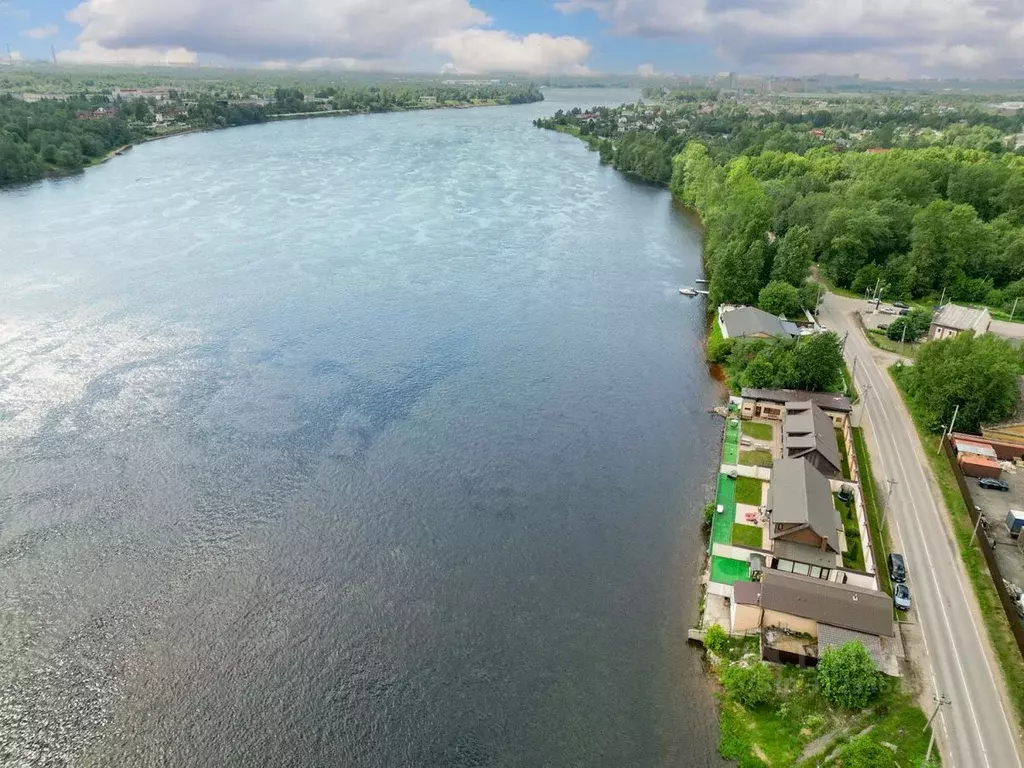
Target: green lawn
(872, 505)
(725, 570)
(841, 440)
(746, 536)
(758, 431)
(731, 446)
(748, 491)
(880, 340)
(721, 526)
(992, 612)
(780, 731)
(853, 557)
(756, 458)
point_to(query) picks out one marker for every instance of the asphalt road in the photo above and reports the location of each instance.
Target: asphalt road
(978, 728)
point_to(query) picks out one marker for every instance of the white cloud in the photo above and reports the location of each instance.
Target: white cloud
(93, 53)
(41, 33)
(482, 50)
(286, 30)
(646, 70)
(894, 37)
(318, 34)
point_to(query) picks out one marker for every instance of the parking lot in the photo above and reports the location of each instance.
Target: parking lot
(884, 316)
(994, 506)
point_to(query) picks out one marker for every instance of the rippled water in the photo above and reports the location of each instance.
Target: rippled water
(376, 441)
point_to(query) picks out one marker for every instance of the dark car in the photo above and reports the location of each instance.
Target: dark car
(883, 326)
(901, 597)
(900, 305)
(897, 567)
(994, 484)
(903, 312)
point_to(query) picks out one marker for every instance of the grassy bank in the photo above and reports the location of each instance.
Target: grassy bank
(873, 505)
(800, 728)
(880, 340)
(993, 615)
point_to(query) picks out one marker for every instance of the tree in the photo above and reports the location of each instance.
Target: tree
(977, 373)
(847, 676)
(819, 363)
(916, 322)
(794, 256)
(779, 298)
(865, 752)
(606, 151)
(751, 685)
(760, 374)
(715, 639)
(810, 294)
(737, 275)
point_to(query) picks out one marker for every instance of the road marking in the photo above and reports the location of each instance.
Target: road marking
(925, 481)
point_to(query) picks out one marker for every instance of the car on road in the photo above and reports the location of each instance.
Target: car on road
(994, 484)
(901, 597)
(897, 567)
(887, 311)
(900, 305)
(883, 326)
(903, 312)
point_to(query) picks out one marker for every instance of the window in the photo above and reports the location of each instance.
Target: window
(815, 572)
(801, 568)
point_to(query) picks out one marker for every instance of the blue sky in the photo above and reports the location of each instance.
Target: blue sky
(875, 38)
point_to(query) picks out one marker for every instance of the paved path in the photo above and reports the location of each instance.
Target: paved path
(978, 730)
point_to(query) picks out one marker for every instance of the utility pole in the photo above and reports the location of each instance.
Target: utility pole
(955, 412)
(1014, 310)
(942, 437)
(974, 534)
(903, 338)
(943, 297)
(890, 482)
(853, 373)
(864, 404)
(941, 700)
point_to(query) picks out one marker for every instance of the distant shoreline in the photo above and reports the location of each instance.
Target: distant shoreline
(59, 174)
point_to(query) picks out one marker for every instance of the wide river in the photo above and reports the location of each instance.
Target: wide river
(373, 441)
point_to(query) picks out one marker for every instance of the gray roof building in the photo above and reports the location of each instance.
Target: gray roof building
(837, 605)
(751, 322)
(951, 319)
(808, 433)
(800, 500)
(829, 401)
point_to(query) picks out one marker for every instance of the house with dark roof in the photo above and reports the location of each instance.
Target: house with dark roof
(801, 509)
(771, 403)
(808, 433)
(799, 617)
(952, 319)
(754, 323)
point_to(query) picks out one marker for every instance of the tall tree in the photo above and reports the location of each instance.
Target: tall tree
(793, 257)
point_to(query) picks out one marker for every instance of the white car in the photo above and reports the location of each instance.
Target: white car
(888, 311)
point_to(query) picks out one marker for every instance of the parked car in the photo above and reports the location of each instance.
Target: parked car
(883, 326)
(887, 311)
(994, 484)
(900, 305)
(897, 567)
(903, 312)
(901, 596)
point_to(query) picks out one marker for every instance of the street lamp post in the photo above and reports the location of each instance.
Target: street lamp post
(974, 533)
(941, 700)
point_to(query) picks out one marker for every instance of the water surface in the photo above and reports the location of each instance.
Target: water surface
(376, 441)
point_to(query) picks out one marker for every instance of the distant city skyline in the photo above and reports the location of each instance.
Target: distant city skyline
(892, 39)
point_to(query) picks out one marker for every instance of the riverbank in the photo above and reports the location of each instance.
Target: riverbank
(57, 173)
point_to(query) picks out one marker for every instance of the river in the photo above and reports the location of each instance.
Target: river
(370, 441)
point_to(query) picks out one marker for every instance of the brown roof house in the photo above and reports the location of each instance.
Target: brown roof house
(771, 403)
(801, 508)
(808, 433)
(800, 617)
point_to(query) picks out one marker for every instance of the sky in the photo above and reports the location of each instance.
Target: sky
(873, 38)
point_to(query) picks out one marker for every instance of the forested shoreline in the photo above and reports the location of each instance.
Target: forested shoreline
(65, 132)
(922, 198)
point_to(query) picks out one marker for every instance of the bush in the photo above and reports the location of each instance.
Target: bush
(719, 349)
(848, 677)
(779, 298)
(715, 639)
(709, 513)
(864, 752)
(752, 686)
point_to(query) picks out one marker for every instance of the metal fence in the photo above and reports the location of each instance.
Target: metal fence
(986, 549)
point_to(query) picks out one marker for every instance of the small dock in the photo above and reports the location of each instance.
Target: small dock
(687, 290)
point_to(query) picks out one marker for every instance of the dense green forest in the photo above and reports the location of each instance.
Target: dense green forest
(72, 129)
(920, 198)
